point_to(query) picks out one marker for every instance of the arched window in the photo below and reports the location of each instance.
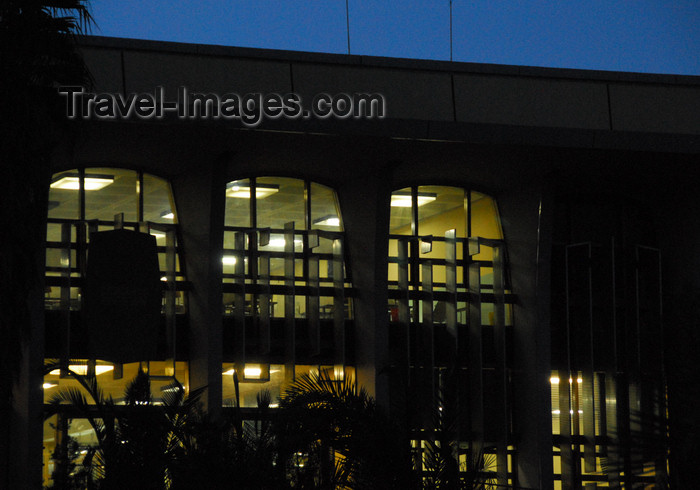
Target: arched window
(83, 202)
(450, 317)
(286, 292)
(86, 201)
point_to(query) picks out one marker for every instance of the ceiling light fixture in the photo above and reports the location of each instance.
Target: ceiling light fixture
(277, 241)
(242, 191)
(249, 372)
(329, 220)
(82, 369)
(405, 200)
(71, 181)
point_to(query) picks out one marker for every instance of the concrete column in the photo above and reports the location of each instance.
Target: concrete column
(26, 431)
(22, 292)
(526, 221)
(200, 200)
(364, 203)
(679, 240)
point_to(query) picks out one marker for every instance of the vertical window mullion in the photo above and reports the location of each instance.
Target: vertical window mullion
(307, 204)
(414, 211)
(253, 203)
(81, 192)
(468, 212)
(307, 227)
(414, 274)
(139, 195)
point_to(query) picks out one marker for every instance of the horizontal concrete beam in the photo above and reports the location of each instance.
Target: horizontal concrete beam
(448, 101)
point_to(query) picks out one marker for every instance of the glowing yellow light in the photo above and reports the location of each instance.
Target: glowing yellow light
(404, 200)
(92, 182)
(279, 243)
(252, 372)
(239, 191)
(249, 372)
(554, 380)
(82, 369)
(46, 386)
(328, 221)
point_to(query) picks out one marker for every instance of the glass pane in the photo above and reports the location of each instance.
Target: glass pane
(78, 435)
(280, 201)
(64, 196)
(110, 191)
(325, 212)
(115, 388)
(400, 220)
(237, 203)
(485, 220)
(54, 232)
(55, 259)
(441, 209)
(52, 298)
(256, 381)
(158, 203)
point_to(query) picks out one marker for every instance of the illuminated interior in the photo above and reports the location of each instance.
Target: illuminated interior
(437, 236)
(81, 202)
(283, 261)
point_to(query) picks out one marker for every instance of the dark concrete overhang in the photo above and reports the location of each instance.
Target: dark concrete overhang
(425, 100)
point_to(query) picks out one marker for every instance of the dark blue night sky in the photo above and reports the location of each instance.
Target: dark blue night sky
(621, 35)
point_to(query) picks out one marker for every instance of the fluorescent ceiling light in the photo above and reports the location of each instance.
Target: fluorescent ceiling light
(228, 260)
(71, 181)
(330, 220)
(252, 372)
(554, 380)
(242, 191)
(167, 215)
(280, 242)
(404, 199)
(82, 369)
(249, 372)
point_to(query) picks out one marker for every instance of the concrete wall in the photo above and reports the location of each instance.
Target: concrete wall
(426, 99)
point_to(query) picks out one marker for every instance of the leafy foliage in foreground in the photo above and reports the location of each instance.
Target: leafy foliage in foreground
(326, 434)
(138, 443)
(345, 439)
